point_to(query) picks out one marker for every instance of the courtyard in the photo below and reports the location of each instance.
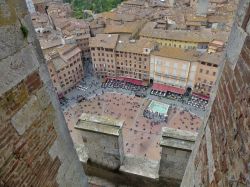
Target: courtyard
(141, 135)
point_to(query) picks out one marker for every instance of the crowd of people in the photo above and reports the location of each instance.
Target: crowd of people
(112, 83)
(197, 102)
(155, 116)
(191, 100)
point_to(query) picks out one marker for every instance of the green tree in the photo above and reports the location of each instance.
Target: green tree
(97, 6)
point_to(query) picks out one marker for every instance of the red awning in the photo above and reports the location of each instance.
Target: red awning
(115, 78)
(134, 81)
(131, 80)
(205, 97)
(166, 88)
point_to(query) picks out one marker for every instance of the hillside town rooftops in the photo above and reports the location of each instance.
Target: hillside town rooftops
(202, 36)
(129, 27)
(118, 16)
(70, 24)
(104, 40)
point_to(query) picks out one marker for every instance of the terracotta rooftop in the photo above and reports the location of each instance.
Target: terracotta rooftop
(104, 40)
(68, 51)
(70, 24)
(181, 35)
(193, 23)
(60, 56)
(38, 18)
(217, 42)
(213, 58)
(118, 16)
(195, 18)
(128, 27)
(219, 18)
(46, 44)
(134, 2)
(58, 63)
(133, 46)
(177, 53)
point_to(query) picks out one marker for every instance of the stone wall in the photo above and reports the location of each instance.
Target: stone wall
(176, 148)
(221, 156)
(35, 145)
(173, 163)
(103, 149)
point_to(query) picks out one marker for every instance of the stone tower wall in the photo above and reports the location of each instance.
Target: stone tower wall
(35, 145)
(221, 156)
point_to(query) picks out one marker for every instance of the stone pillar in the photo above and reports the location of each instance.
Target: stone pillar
(102, 136)
(36, 148)
(176, 148)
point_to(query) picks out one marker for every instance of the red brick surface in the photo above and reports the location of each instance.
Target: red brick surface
(229, 123)
(24, 160)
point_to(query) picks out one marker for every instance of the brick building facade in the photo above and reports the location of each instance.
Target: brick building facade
(36, 148)
(65, 67)
(221, 154)
(103, 54)
(133, 58)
